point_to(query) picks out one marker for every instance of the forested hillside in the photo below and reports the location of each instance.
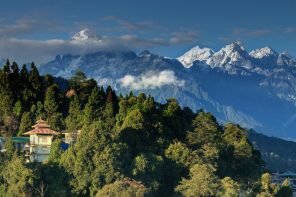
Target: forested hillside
(128, 146)
(281, 156)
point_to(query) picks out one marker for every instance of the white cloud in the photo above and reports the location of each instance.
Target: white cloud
(151, 80)
(41, 51)
(250, 32)
(21, 50)
(184, 37)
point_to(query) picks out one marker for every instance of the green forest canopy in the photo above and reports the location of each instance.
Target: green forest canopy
(128, 146)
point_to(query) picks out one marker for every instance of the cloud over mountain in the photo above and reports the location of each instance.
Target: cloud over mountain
(151, 80)
(84, 42)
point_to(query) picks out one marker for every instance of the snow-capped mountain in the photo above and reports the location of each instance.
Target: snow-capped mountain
(256, 89)
(84, 34)
(285, 59)
(233, 58)
(195, 54)
(263, 53)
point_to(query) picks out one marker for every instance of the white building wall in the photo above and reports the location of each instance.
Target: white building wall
(40, 147)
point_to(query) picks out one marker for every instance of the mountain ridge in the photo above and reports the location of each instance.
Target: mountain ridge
(240, 88)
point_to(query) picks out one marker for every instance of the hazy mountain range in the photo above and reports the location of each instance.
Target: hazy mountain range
(255, 89)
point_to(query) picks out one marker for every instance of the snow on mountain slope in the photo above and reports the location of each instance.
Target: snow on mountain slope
(263, 52)
(256, 90)
(285, 59)
(84, 34)
(231, 58)
(194, 54)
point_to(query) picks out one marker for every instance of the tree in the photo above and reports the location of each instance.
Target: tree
(245, 163)
(26, 92)
(17, 109)
(285, 190)
(229, 188)
(6, 103)
(50, 102)
(94, 161)
(9, 147)
(56, 122)
(35, 83)
(94, 106)
(148, 167)
(82, 86)
(6, 67)
(41, 189)
(55, 151)
(26, 123)
(181, 154)
(202, 182)
(14, 80)
(172, 107)
(53, 180)
(18, 179)
(173, 119)
(134, 132)
(210, 154)
(124, 188)
(237, 136)
(77, 79)
(205, 130)
(74, 118)
(267, 188)
(112, 99)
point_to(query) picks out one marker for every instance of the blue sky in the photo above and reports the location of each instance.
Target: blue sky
(166, 27)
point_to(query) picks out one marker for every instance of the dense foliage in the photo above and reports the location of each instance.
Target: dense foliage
(128, 146)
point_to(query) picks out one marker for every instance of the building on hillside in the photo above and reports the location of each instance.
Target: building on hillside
(41, 138)
(71, 137)
(279, 178)
(18, 142)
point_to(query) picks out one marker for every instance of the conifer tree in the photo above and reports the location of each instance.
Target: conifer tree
(9, 147)
(93, 107)
(50, 102)
(125, 187)
(6, 68)
(18, 109)
(18, 179)
(202, 182)
(35, 83)
(55, 151)
(14, 80)
(74, 118)
(26, 92)
(26, 123)
(205, 130)
(229, 188)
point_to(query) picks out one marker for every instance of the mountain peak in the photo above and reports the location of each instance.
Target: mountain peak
(194, 54)
(285, 58)
(146, 53)
(263, 52)
(82, 35)
(235, 46)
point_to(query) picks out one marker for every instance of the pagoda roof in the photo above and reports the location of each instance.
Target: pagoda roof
(41, 132)
(41, 128)
(41, 124)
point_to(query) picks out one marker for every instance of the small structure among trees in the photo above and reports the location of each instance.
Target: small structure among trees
(41, 138)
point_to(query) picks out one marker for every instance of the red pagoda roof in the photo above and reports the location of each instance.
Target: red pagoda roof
(41, 128)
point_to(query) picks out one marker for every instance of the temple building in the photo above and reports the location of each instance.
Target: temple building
(41, 138)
